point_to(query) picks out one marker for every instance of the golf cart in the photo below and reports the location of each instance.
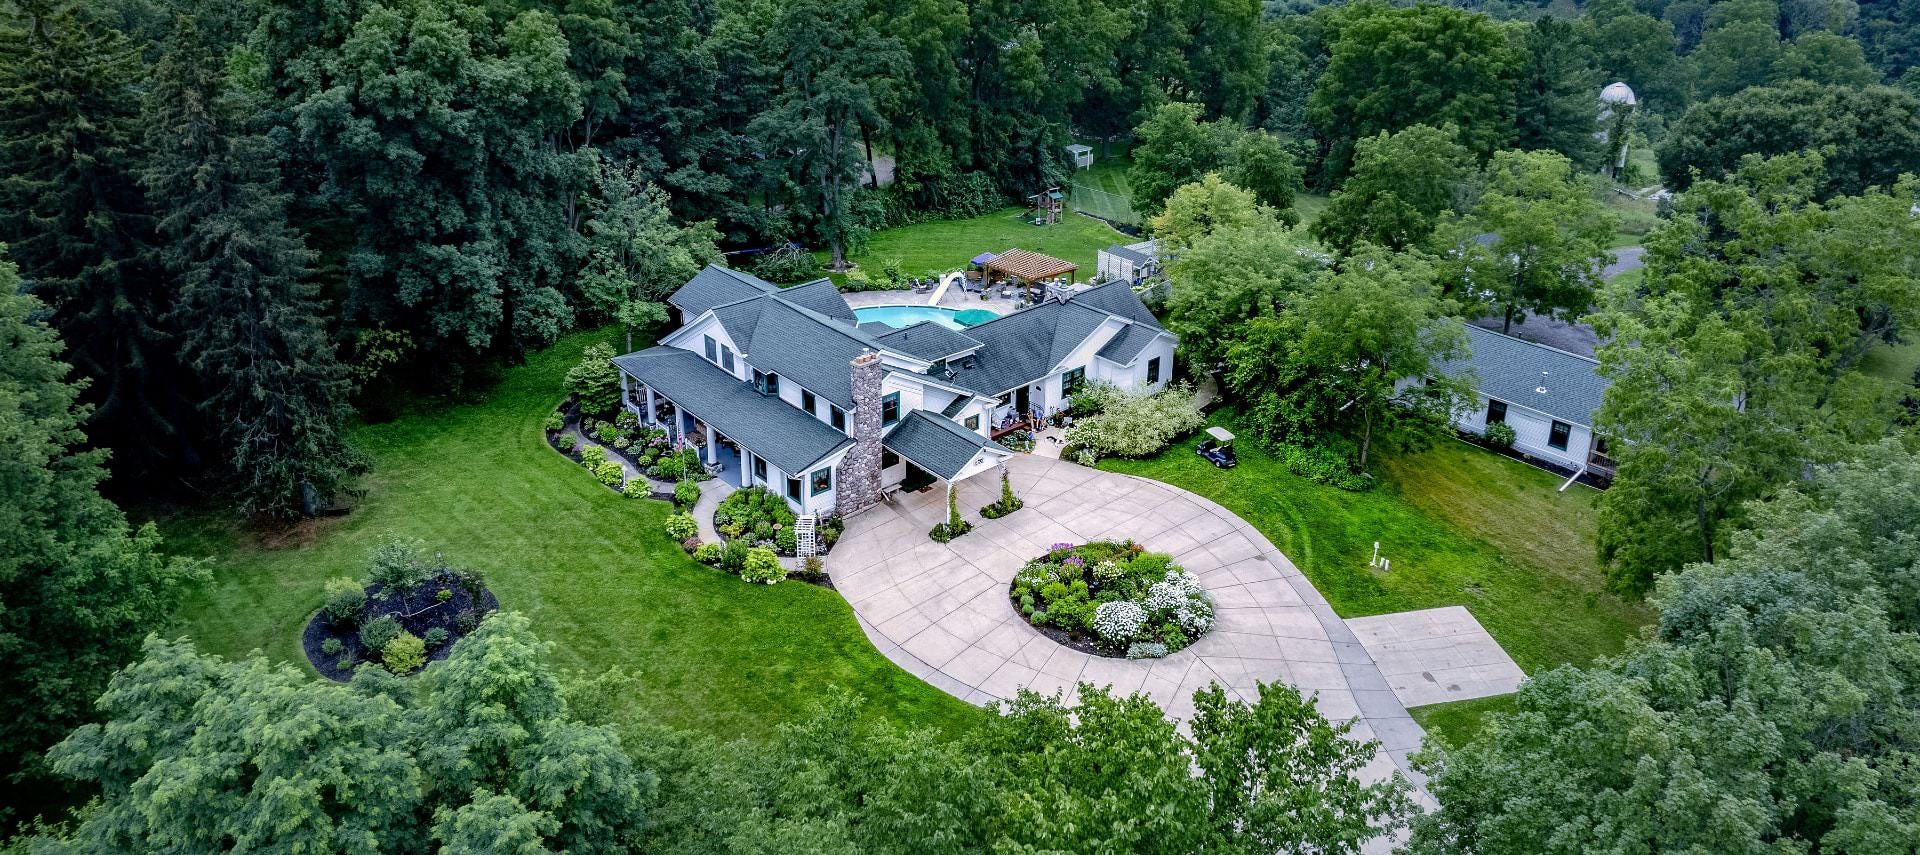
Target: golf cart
(1218, 448)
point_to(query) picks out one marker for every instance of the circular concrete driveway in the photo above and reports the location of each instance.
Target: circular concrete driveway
(941, 610)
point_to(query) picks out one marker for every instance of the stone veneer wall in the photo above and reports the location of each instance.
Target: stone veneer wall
(859, 477)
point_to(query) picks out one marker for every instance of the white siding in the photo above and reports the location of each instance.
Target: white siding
(1531, 430)
(692, 338)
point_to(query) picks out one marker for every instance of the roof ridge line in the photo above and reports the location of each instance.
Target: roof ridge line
(1529, 343)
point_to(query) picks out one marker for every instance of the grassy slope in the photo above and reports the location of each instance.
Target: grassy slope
(593, 570)
(1462, 527)
(1460, 721)
(948, 245)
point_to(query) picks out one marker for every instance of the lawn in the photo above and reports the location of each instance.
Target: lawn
(1462, 526)
(947, 245)
(592, 569)
(1460, 721)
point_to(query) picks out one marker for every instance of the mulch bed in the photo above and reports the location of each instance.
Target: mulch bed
(417, 611)
(1080, 641)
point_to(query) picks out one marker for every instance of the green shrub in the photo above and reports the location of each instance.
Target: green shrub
(669, 468)
(681, 526)
(466, 621)
(332, 647)
(762, 565)
(1007, 503)
(627, 419)
(733, 557)
(566, 442)
(610, 473)
(345, 599)
(592, 456)
(377, 633)
(595, 379)
(686, 494)
(812, 568)
(398, 564)
(707, 553)
(443, 595)
(786, 541)
(1321, 463)
(556, 422)
(405, 654)
(1500, 435)
(345, 663)
(622, 443)
(436, 637)
(1137, 425)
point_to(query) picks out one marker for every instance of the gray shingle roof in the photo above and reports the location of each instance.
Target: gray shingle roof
(1117, 298)
(1125, 346)
(1508, 369)
(716, 286)
(936, 444)
(820, 296)
(807, 347)
(769, 427)
(1129, 254)
(1026, 345)
(929, 341)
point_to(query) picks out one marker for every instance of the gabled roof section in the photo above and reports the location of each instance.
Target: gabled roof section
(717, 286)
(769, 427)
(1117, 298)
(928, 341)
(806, 347)
(1125, 346)
(1508, 369)
(1022, 347)
(936, 444)
(1129, 254)
(820, 296)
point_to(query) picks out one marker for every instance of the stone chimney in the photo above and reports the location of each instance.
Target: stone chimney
(860, 469)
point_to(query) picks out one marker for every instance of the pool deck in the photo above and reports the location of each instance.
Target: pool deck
(954, 298)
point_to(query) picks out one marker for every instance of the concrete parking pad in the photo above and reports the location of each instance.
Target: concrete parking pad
(1437, 655)
(941, 610)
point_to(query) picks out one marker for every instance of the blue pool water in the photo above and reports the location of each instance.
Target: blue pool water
(905, 316)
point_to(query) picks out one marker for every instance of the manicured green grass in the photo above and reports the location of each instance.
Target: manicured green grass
(1895, 364)
(1310, 206)
(1460, 721)
(1103, 190)
(593, 569)
(1461, 525)
(948, 245)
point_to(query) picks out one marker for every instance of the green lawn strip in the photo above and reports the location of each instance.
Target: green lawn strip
(1460, 721)
(948, 245)
(1461, 526)
(1310, 206)
(593, 569)
(1895, 364)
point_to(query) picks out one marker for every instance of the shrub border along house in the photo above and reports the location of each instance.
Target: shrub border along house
(1112, 598)
(757, 560)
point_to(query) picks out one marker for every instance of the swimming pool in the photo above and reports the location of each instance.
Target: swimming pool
(905, 316)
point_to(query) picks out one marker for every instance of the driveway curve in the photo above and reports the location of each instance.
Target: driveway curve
(941, 610)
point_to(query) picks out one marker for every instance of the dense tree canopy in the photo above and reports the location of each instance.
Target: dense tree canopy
(1402, 185)
(1535, 241)
(1869, 136)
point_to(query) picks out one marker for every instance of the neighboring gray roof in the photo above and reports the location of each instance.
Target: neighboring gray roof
(716, 286)
(1508, 369)
(929, 341)
(936, 444)
(820, 296)
(1128, 253)
(1125, 346)
(769, 427)
(1026, 345)
(1116, 298)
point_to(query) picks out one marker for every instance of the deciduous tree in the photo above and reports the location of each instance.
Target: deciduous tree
(1402, 184)
(1535, 242)
(1204, 207)
(1260, 163)
(1869, 136)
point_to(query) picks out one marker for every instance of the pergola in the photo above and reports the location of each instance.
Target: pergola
(1030, 267)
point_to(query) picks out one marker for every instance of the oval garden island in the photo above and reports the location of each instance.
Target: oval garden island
(408, 610)
(1112, 598)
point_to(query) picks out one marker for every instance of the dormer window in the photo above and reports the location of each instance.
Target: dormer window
(767, 383)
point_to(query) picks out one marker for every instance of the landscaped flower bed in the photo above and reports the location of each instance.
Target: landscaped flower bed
(758, 517)
(409, 610)
(1113, 598)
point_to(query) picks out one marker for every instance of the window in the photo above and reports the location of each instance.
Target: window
(1153, 370)
(806, 401)
(838, 417)
(713, 350)
(726, 358)
(768, 384)
(973, 422)
(759, 468)
(822, 480)
(1071, 381)
(793, 489)
(1496, 411)
(1557, 437)
(890, 408)
(888, 459)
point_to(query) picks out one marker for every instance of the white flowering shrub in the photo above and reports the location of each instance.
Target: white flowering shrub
(1178, 597)
(1196, 617)
(1106, 571)
(1119, 622)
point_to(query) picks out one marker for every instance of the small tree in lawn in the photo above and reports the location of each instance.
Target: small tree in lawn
(595, 379)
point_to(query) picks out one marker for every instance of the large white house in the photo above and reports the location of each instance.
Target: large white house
(1547, 395)
(784, 388)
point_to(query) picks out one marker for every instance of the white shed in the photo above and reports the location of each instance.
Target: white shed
(1130, 263)
(1082, 156)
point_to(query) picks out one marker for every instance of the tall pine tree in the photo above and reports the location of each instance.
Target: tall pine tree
(72, 211)
(275, 392)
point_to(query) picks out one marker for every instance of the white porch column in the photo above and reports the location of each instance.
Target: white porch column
(650, 417)
(713, 451)
(624, 400)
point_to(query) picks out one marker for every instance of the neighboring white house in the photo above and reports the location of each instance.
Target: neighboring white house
(1130, 263)
(783, 388)
(1547, 395)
